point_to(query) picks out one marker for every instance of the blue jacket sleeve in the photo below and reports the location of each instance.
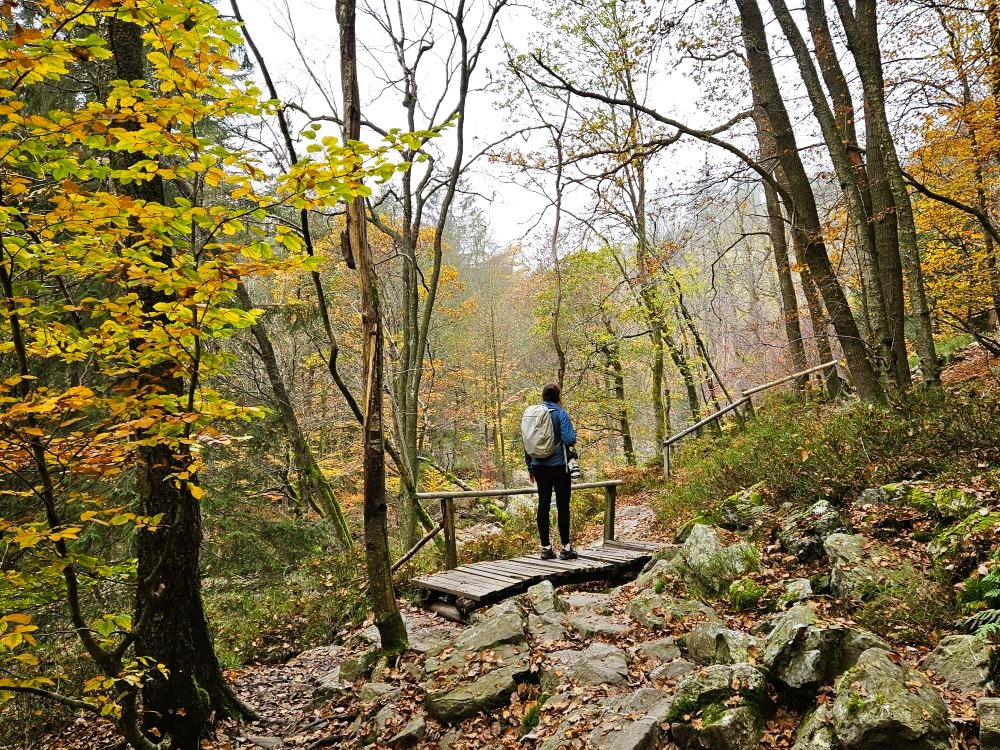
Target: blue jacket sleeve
(566, 431)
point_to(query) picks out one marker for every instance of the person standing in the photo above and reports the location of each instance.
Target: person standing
(548, 436)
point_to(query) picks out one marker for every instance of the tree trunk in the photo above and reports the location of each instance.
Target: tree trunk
(862, 38)
(806, 217)
(848, 177)
(613, 354)
(380, 590)
(875, 194)
(170, 620)
(315, 486)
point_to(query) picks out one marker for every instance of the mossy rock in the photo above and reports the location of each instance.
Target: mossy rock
(746, 594)
(743, 509)
(954, 541)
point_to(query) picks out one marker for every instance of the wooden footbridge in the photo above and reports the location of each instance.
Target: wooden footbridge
(457, 590)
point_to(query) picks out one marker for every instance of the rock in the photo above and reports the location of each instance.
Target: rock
(353, 668)
(598, 664)
(964, 661)
(803, 653)
(955, 540)
(989, 723)
(882, 705)
(706, 565)
(654, 572)
(632, 722)
(544, 600)
(816, 731)
(655, 611)
(743, 509)
(855, 572)
(722, 728)
(796, 590)
(945, 503)
(661, 650)
(728, 702)
(710, 643)
(331, 685)
(479, 669)
(590, 602)
(672, 670)
(568, 714)
(546, 628)
(411, 734)
(374, 692)
(268, 743)
(421, 638)
(590, 625)
(802, 532)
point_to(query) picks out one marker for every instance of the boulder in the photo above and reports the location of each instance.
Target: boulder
(673, 670)
(707, 565)
(710, 643)
(970, 536)
(742, 510)
(544, 600)
(945, 503)
(546, 629)
(989, 723)
(377, 692)
(816, 731)
(589, 602)
(856, 572)
(802, 653)
(420, 638)
(590, 625)
(331, 685)
(479, 669)
(655, 611)
(719, 708)
(660, 650)
(803, 531)
(884, 705)
(411, 734)
(654, 572)
(796, 590)
(631, 722)
(598, 664)
(964, 661)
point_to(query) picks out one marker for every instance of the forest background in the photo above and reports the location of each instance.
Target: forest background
(206, 271)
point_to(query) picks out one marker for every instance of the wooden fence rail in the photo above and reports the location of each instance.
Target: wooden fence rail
(745, 398)
(447, 525)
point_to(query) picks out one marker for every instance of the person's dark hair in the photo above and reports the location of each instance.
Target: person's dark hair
(550, 392)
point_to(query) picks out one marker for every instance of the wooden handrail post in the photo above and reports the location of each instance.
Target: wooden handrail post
(666, 461)
(751, 414)
(448, 524)
(610, 496)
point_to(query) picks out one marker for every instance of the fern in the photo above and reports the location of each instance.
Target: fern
(981, 596)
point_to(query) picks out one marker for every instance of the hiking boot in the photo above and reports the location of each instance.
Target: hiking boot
(548, 553)
(567, 553)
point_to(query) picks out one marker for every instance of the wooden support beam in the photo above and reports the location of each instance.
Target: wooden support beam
(448, 523)
(610, 495)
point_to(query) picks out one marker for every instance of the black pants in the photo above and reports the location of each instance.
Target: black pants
(551, 478)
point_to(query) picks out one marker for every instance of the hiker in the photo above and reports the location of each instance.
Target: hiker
(548, 437)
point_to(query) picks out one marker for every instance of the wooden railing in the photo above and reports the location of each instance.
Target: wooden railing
(745, 398)
(447, 524)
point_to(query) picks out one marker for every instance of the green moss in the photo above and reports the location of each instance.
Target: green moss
(951, 539)
(746, 594)
(682, 706)
(659, 586)
(713, 713)
(855, 703)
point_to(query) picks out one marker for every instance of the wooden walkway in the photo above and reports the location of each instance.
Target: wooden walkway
(466, 587)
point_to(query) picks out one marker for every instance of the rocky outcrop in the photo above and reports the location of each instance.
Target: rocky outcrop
(706, 565)
(628, 722)
(802, 653)
(857, 566)
(816, 731)
(656, 611)
(598, 664)
(543, 599)
(710, 643)
(719, 708)
(742, 510)
(802, 532)
(989, 723)
(964, 661)
(590, 625)
(478, 670)
(884, 705)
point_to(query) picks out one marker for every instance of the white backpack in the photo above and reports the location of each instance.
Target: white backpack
(537, 432)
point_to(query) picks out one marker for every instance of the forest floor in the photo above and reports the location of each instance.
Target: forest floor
(292, 716)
